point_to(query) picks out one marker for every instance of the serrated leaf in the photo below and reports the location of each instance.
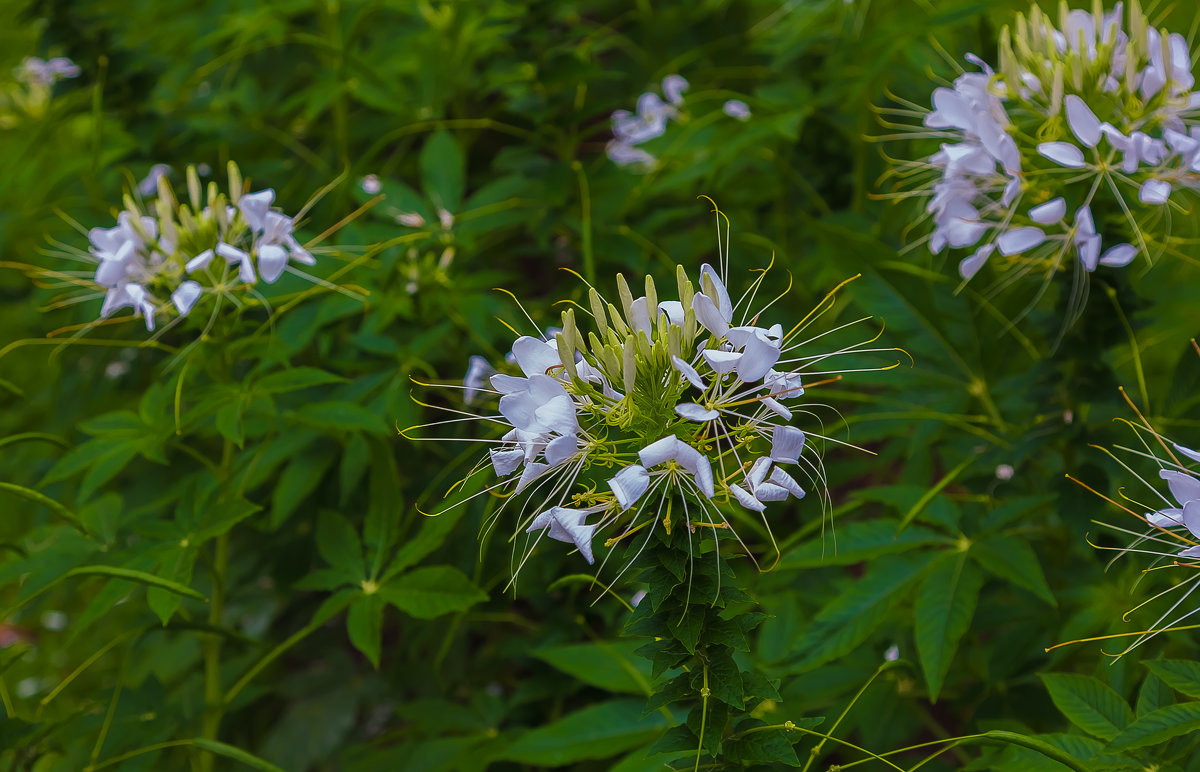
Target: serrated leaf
(1088, 703)
(1158, 727)
(1153, 694)
(1182, 675)
(596, 732)
(432, 591)
(860, 541)
(849, 619)
(299, 479)
(612, 666)
(687, 628)
(1013, 559)
(364, 623)
(443, 171)
(945, 604)
(338, 544)
(769, 746)
(295, 379)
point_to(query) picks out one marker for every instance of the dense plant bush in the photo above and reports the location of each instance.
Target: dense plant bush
(264, 267)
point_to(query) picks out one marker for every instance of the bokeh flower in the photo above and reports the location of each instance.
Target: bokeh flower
(1074, 147)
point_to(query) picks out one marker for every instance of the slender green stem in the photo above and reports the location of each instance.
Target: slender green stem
(703, 716)
(214, 706)
(812, 756)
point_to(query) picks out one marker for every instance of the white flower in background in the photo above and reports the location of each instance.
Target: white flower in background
(666, 413)
(39, 72)
(736, 108)
(148, 185)
(649, 122)
(370, 185)
(1109, 100)
(161, 261)
(1163, 519)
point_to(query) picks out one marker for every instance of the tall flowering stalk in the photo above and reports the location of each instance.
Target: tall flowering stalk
(1075, 150)
(667, 427)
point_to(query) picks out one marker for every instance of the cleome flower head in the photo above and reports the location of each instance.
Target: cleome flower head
(163, 259)
(1165, 525)
(1073, 148)
(662, 412)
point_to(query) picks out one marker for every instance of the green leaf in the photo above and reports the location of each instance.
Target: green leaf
(596, 732)
(613, 666)
(385, 506)
(433, 533)
(1013, 559)
(769, 746)
(338, 543)
(443, 171)
(294, 379)
(229, 422)
(432, 591)
(1182, 675)
(1158, 727)
(296, 484)
(852, 616)
(1153, 694)
(860, 541)
(342, 417)
(45, 501)
(945, 604)
(1088, 703)
(688, 626)
(236, 754)
(141, 577)
(364, 623)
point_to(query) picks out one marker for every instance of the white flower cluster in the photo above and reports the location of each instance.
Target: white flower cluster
(173, 250)
(45, 73)
(664, 407)
(649, 122)
(1113, 114)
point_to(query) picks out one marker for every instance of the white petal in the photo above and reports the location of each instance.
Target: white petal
(1191, 518)
(722, 295)
(758, 358)
(1184, 487)
(971, 265)
(721, 361)
(535, 356)
(571, 521)
(660, 451)
(1083, 122)
(561, 448)
(1062, 153)
(771, 492)
(1050, 212)
(272, 259)
(1089, 251)
(687, 371)
(1018, 240)
(746, 500)
(785, 481)
(693, 412)
(629, 484)
(1165, 518)
(709, 315)
(199, 261)
(185, 296)
(704, 476)
(531, 472)
(776, 407)
(506, 461)
(1119, 256)
(673, 309)
(758, 472)
(1192, 454)
(786, 444)
(254, 207)
(1154, 192)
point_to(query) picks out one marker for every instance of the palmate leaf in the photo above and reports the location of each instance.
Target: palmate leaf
(945, 604)
(1013, 559)
(1088, 703)
(432, 591)
(596, 732)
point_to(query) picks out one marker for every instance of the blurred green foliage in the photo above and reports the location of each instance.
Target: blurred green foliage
(234, 527)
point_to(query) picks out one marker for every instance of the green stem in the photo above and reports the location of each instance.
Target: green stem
(703, 716)
(213, 704)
